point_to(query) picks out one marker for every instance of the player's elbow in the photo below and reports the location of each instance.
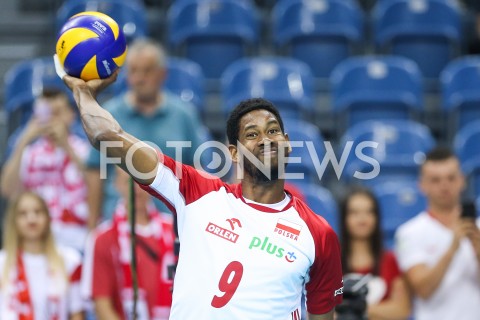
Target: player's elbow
(103, 135)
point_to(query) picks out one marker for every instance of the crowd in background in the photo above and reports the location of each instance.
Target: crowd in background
(66, 241)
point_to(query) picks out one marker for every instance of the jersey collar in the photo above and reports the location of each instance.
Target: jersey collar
(237, 191)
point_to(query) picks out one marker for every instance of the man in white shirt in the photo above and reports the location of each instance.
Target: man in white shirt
(248, 251)
(438, 250)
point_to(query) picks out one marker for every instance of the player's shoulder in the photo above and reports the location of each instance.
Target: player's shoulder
(317, 224)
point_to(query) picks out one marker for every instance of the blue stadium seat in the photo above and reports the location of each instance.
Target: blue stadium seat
(213, 33)
(467, 148)
(320, 33)
(214, 158)
(399, 202)
(402, 145)
(184, 78)
(322, 202)
(426, 31)
(460, 91)
(286, 82)
(376, 88)
(130, 15)
(25, 80)
(310, 144)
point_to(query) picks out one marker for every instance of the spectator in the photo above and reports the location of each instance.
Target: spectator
(48, 158)
(472, 25)
(39, 280)
(363, 253)
(149, 114)
(438, 251)
(107, 278)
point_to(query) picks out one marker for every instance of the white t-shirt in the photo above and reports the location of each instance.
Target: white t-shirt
(36, 269)
(242, 260)
(424, 240)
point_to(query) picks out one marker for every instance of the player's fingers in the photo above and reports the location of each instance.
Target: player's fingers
(100, 84)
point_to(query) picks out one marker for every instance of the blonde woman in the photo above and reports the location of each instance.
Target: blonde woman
(39, 281)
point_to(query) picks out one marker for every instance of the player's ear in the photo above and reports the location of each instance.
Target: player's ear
(233, 152)
(289, 145)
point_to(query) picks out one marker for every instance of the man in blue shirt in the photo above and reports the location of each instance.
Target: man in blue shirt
(149, 113)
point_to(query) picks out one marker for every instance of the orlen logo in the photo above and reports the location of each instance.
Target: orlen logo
(271, 248)
(221, 232)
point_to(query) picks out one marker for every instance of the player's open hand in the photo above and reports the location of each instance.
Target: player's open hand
(94, 86)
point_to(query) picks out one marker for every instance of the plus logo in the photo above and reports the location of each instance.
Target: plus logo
(266, 246)
(290, 256)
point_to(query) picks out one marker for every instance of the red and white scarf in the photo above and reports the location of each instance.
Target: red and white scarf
(122, 229)
(17, 302)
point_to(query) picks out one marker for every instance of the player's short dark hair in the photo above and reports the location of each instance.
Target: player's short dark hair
(244, 107)
(439, 154)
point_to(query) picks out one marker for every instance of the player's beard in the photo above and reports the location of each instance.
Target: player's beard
(257, 174)
(272, 169)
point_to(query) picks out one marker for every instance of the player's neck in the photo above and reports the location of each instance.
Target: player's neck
(446, 215)
(267, 193)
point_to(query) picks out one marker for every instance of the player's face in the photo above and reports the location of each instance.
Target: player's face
(361, 218)
(144, 75)
(261, 136)
(442, 182)
(31, 219)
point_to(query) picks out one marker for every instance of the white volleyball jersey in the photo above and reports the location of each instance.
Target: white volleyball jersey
(242, 260)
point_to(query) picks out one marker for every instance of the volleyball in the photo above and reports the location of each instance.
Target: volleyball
(91, 45)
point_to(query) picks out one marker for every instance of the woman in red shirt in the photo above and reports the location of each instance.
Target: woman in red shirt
(363, 253)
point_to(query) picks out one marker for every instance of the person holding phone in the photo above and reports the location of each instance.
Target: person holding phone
(47, 157)
(439, 249)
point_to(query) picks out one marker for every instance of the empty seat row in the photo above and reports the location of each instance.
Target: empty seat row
(321, 33)
(363, 88)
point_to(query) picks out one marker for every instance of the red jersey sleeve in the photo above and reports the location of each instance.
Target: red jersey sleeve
(324, 288)
(177, 184)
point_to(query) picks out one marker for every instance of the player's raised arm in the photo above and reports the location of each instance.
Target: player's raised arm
(100, 126)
